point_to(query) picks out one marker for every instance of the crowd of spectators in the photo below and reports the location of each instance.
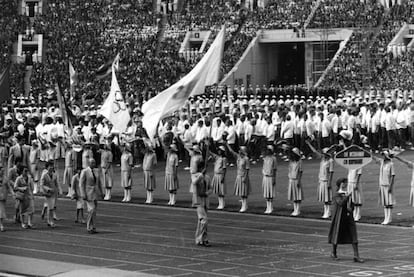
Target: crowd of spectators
(366, 60)
(390, 69)
(352, 13)
(398, 73)
(90, 33)
(285, 14)
(348, 70)
(11, 24)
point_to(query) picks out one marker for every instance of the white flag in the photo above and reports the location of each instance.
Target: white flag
(114, 108)
(73, 77)
(205, 73)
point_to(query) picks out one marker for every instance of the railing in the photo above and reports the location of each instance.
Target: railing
(312, 14)
(332, 63)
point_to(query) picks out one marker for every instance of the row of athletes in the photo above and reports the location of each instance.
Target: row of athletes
(242, 188)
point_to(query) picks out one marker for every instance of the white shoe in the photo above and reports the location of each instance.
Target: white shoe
(68, 195)
(325, 216)
(293, 213)
(243, 207)
(268, 211)
(187, 168)
(309, 158)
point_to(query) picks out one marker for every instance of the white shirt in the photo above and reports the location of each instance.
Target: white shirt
(401, 122)
(335, 124)
(287, 129)
(217, 132)
(270, 132)
(248, 132)
(390, 123)
(231, 134)
(325, 128)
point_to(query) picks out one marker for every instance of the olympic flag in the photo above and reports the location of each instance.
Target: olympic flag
(114, 108)
(205, 73)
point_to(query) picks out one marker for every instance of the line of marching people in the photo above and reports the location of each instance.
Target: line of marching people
(24, 182)
(220, 154)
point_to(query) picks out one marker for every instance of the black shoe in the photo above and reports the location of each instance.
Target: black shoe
(51, 225)
(93, 231)
(358, 260)
(206, 244)
(334, 257)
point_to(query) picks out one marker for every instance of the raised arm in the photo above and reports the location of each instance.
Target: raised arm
(234, 153)
(341, 201)
(190, 152)
(375, 158)
(314, 149)
(406, 162)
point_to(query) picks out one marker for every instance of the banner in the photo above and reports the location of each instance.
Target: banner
(114, 107)
(73, 80)
(106, 69)
(205, 73)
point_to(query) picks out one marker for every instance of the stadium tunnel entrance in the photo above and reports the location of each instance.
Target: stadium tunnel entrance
(280, 57)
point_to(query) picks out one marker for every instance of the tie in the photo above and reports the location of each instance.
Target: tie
(94, 177)
(20, 151)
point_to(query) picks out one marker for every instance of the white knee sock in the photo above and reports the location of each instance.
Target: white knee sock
(147, 201)
(125, 196)
(385, 216)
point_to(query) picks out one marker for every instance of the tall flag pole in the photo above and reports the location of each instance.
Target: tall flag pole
(205, 73)
(65, 111)
(5, 85)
